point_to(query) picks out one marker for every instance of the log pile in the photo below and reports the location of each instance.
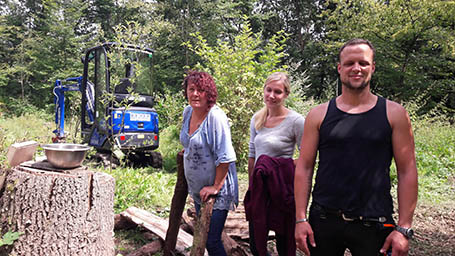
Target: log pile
(183, 234)
(134, 217)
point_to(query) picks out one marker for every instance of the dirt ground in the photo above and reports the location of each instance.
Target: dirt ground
(434, 233)
(434, 230)
(434, 226)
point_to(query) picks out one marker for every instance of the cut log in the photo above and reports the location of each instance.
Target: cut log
(159, 227)
(66, 212)
(201, 227)
(177, 207)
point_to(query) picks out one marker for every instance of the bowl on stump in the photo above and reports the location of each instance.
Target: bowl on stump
(65, 155)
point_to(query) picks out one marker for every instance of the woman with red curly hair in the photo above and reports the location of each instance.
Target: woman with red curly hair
(209, 157)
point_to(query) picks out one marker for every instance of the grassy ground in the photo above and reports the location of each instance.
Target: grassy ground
(152, 189)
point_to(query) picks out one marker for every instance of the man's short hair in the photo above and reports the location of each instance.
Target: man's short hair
(356, 41)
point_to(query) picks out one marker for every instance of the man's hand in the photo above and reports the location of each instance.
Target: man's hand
(399, 243)
(303, 232)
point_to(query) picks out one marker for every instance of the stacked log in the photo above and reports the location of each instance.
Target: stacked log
(181, 226)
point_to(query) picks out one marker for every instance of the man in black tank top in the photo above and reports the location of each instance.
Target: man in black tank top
(356, 134)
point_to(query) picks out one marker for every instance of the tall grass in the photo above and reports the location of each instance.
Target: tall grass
(435, 155)
(146, 188)
(23, 128)
(434, 137)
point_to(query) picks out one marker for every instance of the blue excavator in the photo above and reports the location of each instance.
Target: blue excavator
(116, 112)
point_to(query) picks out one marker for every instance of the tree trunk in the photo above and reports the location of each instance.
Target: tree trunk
(60, 212)
(177, 206)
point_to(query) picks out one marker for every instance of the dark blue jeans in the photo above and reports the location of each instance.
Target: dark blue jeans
(214, 244)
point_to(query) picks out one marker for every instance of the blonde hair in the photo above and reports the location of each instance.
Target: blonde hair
(261, 115)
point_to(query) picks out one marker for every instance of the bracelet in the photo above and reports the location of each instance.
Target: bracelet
(301, 220)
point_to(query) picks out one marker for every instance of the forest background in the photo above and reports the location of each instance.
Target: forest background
(240, 42)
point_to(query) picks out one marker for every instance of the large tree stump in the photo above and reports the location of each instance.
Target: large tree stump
(60, 212)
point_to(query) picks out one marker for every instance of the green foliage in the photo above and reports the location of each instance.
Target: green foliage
(43, 50)
(22, 128)
(9, 238)
(170, 146)
(300, 83)
(144, 188)
(240, 69)
(435, 154)
(436, 150)
(11, 106)
(169, 107)
(414, 43)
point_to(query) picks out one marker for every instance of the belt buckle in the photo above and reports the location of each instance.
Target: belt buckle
(346, 218)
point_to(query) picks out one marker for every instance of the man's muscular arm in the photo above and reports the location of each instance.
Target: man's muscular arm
(404, 155)
(304, 176)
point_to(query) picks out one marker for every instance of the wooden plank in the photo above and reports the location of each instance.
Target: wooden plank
(21, 152)
(159, 227)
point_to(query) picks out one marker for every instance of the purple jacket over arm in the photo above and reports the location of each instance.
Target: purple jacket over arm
(269, 201)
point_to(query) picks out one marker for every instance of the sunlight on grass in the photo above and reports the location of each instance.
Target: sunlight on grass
(435, 155)
(145, 188)
(23, 128)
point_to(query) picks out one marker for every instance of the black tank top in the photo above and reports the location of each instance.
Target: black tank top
(355, 152)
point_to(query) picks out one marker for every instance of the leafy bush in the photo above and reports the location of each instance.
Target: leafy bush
(297, 100)
(169, 107)
(240, 69)
(170, 146)
(12, 107)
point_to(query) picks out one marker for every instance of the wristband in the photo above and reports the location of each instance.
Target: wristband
(301, 220)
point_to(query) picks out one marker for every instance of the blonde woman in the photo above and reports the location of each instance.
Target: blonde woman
(274, 133)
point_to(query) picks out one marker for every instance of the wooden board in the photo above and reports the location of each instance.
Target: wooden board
(159, 227)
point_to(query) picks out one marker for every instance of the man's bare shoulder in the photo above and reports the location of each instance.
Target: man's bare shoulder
(317, 114)
(396, 112)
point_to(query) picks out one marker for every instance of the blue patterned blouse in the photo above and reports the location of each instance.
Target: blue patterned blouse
(205, 149)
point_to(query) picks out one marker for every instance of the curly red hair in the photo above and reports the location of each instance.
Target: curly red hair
(204, 82)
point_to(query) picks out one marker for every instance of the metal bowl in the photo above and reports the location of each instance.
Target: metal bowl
(65, 155)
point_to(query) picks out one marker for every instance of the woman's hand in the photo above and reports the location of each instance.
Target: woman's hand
(206, 192)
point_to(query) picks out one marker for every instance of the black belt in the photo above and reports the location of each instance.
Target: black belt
(347, 216)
